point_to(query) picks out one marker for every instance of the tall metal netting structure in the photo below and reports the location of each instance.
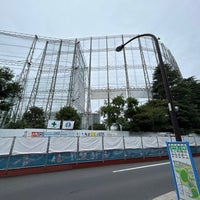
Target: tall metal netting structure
(83, 72)
(51, 72)
(128, 73)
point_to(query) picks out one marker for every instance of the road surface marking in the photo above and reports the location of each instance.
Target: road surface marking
(141, 167)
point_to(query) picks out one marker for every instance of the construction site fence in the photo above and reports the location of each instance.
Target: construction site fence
(25, 152)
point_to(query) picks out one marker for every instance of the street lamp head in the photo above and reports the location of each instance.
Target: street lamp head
(119, 48)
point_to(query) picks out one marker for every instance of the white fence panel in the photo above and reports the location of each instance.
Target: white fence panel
(63, 144)
(5, 145)
(197, 139)
(132, 142)
(173, 139)
(162, 141)
(191, 140)
(90, 144)
(113, 143)
(150, 142)
(26, 145)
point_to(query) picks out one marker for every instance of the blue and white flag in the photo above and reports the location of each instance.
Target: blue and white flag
(53, 124)
(68, 125)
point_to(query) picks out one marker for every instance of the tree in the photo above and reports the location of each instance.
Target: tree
(121, 112)
(15, 125)
(69, 113)
(34, 118)
(130, 113)
(108, 115)
(113, 111)
(153, 116)
(9, 89)
(174, 77)
(98, 127)
(186, 95)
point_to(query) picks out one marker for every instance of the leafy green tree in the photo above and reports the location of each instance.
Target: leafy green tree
(108, 115)
(130, 113)
(186, 95)
(34, 118)
(69, 113)
(120, 112)
(118, 104)
(15, 125)
(98, 127)
(153, 116)
(187, 90)
(9, 89)
(113, 111)
(174, 77)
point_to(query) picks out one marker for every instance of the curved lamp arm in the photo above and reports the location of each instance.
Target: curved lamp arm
(165, 82)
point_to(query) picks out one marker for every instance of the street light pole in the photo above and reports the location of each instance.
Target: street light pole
(165, 82)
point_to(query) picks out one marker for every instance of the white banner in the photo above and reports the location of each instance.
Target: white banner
(173, 139)
(30, 145)
(162, 141)
(53, 124)
(68, 125)
(90, 144)
(5, 145)
(197, 139)
(113, 143)
(150, 142)
(133, 142)
(189, 139)
(63, 144)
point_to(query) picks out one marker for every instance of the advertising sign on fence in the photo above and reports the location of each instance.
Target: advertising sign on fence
(184, 171)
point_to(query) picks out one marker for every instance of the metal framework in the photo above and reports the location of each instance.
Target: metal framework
(81, 72)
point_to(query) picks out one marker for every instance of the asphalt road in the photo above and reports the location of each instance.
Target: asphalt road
(144, 181)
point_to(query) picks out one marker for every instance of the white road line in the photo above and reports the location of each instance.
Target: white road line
(141, 167)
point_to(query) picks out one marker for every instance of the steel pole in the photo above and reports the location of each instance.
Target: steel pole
(165, 83)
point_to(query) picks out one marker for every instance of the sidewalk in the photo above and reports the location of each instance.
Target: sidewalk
(168, 196)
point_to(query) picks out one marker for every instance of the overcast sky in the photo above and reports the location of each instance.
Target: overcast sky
(176, 22)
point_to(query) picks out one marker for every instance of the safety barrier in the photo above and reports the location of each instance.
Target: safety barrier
(28, 152)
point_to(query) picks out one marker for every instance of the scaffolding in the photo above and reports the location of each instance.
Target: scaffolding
(83, 72)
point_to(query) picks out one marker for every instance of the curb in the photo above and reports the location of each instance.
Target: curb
(168, 196)
(61, 167)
